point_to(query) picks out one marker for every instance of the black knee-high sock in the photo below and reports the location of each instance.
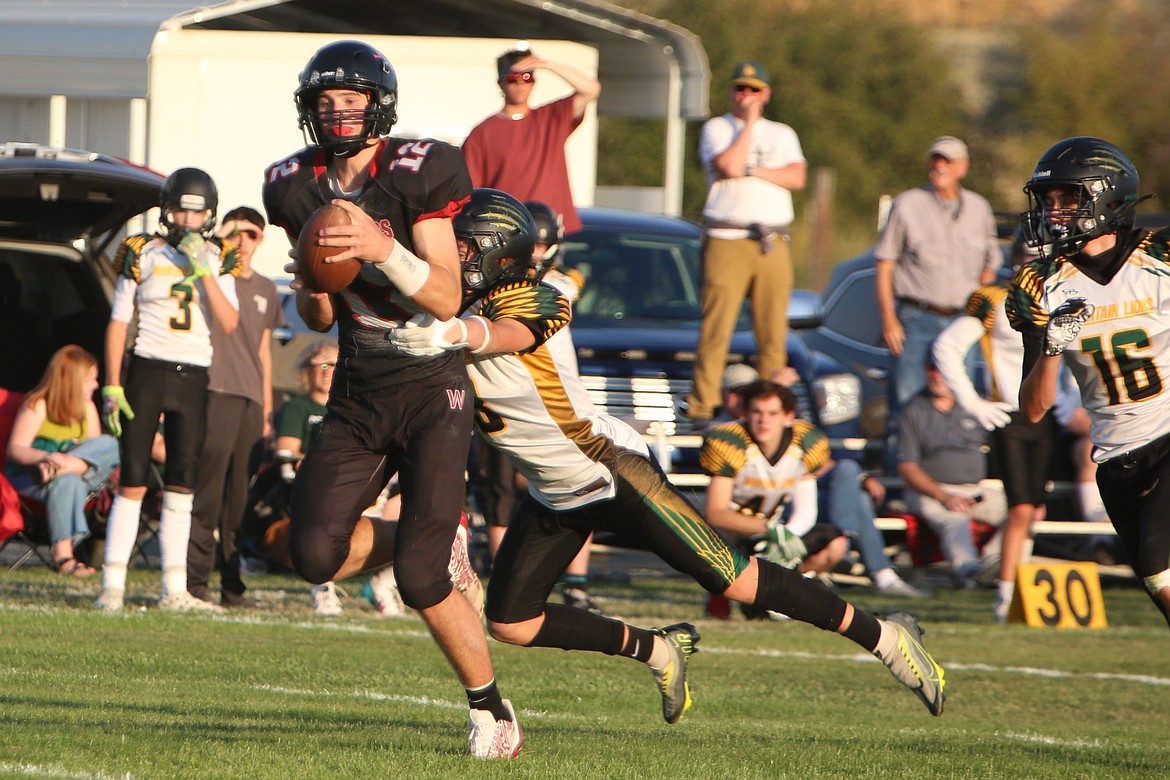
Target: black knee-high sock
(784, 590)
(575, 629)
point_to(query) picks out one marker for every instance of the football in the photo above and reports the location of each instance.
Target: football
(311, 266)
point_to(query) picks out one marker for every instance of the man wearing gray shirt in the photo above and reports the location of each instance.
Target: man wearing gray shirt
(239, 414)
(942, 456)
(938, 245)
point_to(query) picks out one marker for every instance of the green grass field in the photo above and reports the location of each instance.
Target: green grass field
(272, 692)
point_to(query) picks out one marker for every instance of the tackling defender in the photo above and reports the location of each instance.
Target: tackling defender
(595, 472)
(1096, 297)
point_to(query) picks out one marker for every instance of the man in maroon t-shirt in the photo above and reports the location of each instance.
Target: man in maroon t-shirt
(521, 150)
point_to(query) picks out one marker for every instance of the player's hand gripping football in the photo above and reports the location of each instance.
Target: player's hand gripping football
(424, 336)
(1064, 324)
(114, 404)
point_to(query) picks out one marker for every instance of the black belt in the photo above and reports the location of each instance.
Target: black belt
(1139, 461)
(945, 311)
(170, 365)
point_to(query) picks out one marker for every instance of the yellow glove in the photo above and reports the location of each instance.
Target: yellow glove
(194, 246)
(114, 404)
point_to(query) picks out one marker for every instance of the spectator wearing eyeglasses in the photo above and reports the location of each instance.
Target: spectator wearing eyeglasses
(521, 149)
(753, 164)
(239, 410)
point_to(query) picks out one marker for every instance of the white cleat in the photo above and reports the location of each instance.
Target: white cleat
(325, 600)
(463, 575)
(381, 590)
(491, 738)
(110, 600)
(183, 601)
(901, 588)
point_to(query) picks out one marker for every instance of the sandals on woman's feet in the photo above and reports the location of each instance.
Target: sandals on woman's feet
(71, 567)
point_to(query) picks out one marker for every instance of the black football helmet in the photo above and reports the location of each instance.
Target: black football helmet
(501, 234)
(347, 65)
(187, 189)
(1107, 184)
(550, 230)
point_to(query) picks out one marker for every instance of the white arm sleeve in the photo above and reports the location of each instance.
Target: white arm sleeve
(950, 350)
(804, 506)
(227, 285)
(123, 307)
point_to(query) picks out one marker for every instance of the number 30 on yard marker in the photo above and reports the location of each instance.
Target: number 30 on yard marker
(1058, 595)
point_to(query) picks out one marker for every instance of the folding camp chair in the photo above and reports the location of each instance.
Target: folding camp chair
(34, 536)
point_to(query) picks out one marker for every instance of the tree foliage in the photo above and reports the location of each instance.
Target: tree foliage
(866, 91)
(1100, 70)
(862, 90)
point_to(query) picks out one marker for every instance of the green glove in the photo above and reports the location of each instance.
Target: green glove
(193, 246)
(780, 546)
(114, 404)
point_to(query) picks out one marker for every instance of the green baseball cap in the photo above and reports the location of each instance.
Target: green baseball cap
(752, 74)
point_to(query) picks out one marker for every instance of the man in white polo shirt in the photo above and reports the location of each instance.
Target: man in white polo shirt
(752, 165)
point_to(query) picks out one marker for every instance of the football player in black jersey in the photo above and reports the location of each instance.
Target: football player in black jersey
(388, 411)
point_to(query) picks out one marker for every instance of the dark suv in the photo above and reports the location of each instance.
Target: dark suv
(636, 326)
(60, 211)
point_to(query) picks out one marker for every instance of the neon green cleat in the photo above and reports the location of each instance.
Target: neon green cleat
(912, 665)
(681, 638)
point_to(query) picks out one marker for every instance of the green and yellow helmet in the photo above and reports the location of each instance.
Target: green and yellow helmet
(500, 235)
(1107, 184)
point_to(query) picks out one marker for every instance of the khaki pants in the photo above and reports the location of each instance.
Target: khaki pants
(734, 269)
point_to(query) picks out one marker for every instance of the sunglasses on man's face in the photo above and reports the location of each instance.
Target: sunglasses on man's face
(518, 78)
(746, 88)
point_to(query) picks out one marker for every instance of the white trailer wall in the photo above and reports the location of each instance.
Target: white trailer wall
(222, 101)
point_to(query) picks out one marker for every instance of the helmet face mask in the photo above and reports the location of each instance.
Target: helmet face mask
(550, 231)
(349, 66)
(496, 236)
(1082, 189)
(187, 189)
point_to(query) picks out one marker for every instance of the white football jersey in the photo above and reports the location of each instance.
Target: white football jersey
(1121, 357)
(761, 485)
(525, 407)
(173, 318)
(986, 324)
(561, 345)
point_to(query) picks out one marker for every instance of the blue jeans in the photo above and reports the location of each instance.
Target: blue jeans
(851, 510)
(921, 328)
(65, 496)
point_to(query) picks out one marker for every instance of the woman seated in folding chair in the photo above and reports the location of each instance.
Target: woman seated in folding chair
(57, 453)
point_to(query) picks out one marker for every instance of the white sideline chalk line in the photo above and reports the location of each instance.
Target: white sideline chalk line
(421, 701)
(1040, 739)
(1141, 679)
(34, 770)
